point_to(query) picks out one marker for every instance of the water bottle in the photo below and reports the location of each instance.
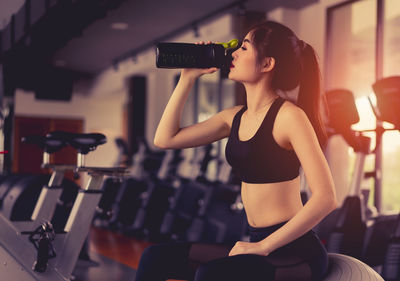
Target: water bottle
(186, 55)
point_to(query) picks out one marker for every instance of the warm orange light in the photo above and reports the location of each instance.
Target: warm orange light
(367, 117)
(391, 139)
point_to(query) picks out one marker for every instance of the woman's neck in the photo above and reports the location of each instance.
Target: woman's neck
(258, 97)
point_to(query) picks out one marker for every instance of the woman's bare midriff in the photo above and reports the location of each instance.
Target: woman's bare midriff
(271, 203)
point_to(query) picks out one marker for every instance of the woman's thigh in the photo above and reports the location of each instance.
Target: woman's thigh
(164, 261)
(309, 249)
(251, 267)
(177, 260)
(211, 261)
(304, 259)
(236, 268)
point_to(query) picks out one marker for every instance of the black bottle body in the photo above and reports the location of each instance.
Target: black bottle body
(186, 55)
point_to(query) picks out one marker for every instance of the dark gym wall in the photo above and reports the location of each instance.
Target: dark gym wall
(136, 111)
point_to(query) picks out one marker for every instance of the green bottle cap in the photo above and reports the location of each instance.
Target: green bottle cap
(229, 45)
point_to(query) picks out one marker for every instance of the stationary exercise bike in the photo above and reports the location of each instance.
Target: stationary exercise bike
(33, 250)
(387, 92)
(347, 236)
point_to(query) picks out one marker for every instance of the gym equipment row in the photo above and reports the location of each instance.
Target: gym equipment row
(174, 200)
(33, 249)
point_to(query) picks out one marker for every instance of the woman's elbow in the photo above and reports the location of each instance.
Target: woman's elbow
(333, 204)
(158, 143)
(329, 203)
(164, 143)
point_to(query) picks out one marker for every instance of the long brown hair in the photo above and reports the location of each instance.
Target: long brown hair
(295, 65)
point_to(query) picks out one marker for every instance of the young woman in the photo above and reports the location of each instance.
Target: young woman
(269, 138)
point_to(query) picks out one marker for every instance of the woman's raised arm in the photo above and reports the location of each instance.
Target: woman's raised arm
(169, 134)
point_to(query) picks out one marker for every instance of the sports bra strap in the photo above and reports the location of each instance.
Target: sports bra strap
(236, 118)
(271, 114)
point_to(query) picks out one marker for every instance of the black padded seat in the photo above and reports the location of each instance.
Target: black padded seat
(81, 142)
(343, 113)
(387, 91)
(342, 109)
(49, 144)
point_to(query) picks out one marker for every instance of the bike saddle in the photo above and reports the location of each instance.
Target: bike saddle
(49, 144)
(81, 142)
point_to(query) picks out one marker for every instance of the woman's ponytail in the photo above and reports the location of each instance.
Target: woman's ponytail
(296, 65)
(309, 97)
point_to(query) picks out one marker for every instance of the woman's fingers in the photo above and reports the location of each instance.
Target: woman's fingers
(211, 70)
(202, 42)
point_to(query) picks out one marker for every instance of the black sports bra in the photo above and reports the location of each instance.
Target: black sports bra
(260, 159)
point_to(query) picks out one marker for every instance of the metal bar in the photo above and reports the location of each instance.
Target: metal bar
(46, 158)
(12, 33)
(57, 177)
(46, 204)
(358, 175)
(379, 39)
(1, 71)
(80, 160)
(379, 75)
(17, 247)
(59, 167)
(27, 24)
(78, 225)
(328, 43)
(11, 267)
(378, 176)
(116, 171)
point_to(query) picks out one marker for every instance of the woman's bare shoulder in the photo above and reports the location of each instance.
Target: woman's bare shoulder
(290, 112)
(229, 113)
(291, 118)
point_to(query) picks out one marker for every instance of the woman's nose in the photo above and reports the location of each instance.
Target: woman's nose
(234, 54)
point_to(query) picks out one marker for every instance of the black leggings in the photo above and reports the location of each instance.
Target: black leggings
(303, 259)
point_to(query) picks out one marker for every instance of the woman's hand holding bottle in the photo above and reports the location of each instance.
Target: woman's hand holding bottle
(194, 73)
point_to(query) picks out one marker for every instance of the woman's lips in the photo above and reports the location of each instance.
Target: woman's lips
(232, 66)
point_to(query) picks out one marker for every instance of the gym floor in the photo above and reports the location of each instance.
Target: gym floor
(118, 257)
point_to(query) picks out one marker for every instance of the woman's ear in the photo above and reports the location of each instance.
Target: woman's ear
(268, 64)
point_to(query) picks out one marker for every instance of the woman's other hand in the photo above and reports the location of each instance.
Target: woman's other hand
(256, 248)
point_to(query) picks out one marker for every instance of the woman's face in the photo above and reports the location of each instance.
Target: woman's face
(244, 66)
